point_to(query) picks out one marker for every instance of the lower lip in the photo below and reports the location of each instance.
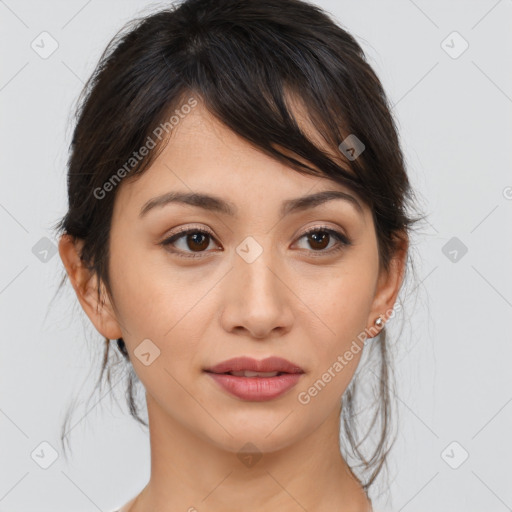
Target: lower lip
(257, 389)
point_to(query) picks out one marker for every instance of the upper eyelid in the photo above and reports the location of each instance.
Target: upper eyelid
(210, 232)
(187, 230)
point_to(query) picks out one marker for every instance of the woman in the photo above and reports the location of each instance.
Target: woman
(238, 224)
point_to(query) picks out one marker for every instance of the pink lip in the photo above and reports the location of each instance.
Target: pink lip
(270, 364)
(256, 389)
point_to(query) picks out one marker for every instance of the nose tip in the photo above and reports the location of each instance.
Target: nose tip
(256, 296)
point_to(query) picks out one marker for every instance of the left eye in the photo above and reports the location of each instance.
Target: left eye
(317, 238)
(198, 240)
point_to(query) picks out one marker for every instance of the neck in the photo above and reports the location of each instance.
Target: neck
(191, 473)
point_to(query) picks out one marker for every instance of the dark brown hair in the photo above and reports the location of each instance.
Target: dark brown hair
(242, 59)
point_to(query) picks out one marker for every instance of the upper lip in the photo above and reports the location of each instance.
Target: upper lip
(270, 364)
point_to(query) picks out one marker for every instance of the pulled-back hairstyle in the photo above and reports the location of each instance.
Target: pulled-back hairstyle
(243, 60)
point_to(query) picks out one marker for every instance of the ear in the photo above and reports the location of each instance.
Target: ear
(85, 284)
(388, 286)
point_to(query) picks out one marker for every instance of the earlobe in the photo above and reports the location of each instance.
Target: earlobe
(85, 285)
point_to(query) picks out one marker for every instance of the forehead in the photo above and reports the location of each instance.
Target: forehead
(203, 156)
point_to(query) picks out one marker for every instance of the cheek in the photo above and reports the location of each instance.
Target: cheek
(155, 303)
(336, 315)
(339, 304)
(334, 345)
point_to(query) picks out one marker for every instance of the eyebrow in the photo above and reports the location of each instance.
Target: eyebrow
(219, 205)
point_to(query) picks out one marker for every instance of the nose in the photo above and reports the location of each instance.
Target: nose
(258, 298)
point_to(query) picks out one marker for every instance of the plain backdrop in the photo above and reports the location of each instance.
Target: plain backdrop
(446, 68)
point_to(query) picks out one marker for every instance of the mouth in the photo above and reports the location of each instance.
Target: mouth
(252, 380)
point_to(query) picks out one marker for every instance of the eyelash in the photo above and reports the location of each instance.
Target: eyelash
(342, 240)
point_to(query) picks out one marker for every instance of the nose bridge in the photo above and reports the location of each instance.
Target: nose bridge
(254, 266)
(257, 300)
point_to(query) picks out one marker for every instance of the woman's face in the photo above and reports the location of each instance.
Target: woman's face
(255, 285)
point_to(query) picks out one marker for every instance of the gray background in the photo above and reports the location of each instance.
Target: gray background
(454, 381)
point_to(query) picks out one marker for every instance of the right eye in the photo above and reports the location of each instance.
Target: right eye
(200, 241)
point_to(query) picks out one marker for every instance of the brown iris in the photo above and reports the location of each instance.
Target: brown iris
(200, 241)
(319, 237)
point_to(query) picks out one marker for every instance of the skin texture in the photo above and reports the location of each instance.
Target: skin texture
(293, 301)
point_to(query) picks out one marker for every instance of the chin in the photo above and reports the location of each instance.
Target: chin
(256, 433)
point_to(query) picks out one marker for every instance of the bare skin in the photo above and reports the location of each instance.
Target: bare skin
(298, 300)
